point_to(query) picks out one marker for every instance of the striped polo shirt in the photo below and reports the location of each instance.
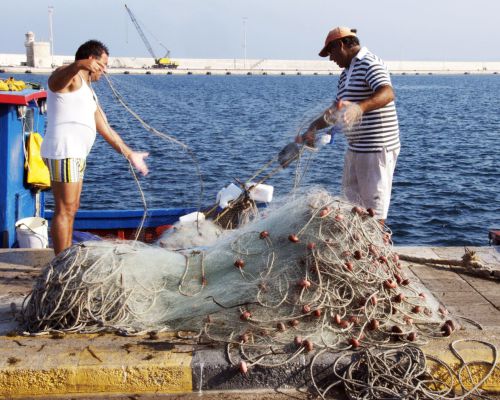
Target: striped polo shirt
(379, 128)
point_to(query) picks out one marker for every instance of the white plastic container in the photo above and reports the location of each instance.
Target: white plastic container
(323, 139)
(260, 192)
(227, 194)
(32, 233)
(192, 217)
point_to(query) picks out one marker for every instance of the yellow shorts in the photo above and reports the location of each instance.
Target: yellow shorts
(66, 170)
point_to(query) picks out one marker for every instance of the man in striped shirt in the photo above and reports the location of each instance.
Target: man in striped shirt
(364, 108)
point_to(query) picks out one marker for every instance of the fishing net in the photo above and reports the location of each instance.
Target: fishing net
(314, 272)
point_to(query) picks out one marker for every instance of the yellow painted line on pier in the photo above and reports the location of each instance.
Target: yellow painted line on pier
(479, 356)
(86, 364)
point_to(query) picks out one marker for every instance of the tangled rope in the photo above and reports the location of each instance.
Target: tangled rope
(405, 373)
(470, 263)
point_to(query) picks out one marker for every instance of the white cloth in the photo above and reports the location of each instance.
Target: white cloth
(71, 127)
(367, 179)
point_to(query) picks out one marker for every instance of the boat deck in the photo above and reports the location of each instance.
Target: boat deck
(98, 364)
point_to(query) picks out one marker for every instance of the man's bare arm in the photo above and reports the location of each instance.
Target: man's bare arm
(115, 140)
(63, 78)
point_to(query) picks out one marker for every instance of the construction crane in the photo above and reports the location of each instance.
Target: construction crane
(163, 62)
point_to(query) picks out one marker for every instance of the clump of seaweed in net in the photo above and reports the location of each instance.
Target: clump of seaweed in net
(316, 273)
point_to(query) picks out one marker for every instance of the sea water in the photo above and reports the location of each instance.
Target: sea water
(446, 185)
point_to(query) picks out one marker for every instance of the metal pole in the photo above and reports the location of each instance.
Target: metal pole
(245, 42)
(51, 36)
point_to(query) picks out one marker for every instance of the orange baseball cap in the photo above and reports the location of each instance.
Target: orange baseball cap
(337, 33)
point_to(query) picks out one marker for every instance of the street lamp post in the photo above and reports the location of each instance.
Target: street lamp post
(245, 42)
(51, 35)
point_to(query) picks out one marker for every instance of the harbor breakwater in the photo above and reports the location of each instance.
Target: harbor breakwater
(16, 63)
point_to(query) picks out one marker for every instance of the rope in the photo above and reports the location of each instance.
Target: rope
(163, 136)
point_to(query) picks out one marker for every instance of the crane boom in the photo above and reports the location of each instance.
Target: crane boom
(163, 62)
(141, 33)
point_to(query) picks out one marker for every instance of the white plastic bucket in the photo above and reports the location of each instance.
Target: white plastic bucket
(192, 217)
(227, 194)
(260, 192)
(32, 233)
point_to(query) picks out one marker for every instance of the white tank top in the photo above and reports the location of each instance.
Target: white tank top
(71, 128)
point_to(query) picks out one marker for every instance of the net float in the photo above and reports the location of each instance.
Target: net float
(344, 324)
(293, 238)
(294, 322)
(398, 278)
(373, 325)
(396, 329)
(298, 341)
(244, 338)
(311, 246)
(373, 250)
(357, 210)
(354, 343)
(281, 326)
(306, 309)
(357, 255)
(398, 298)
(416, 309)
(451, 324)
(317, 313)
(264, 234)
(336, 318)
(395, 257)
(422, 295)
(412, 336)
(383, 259)
(443, 310)
(408, 320)
(390, 284)
(405, 282)
(246, 315)
(371, 212)
(348, 265)
(243, 367)
(446, 329)
(339, 217)
(308, 345)
(239, 263)
(304, 283)
(324, 212)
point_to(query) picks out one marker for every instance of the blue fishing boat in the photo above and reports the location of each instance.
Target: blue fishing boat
(23, 112)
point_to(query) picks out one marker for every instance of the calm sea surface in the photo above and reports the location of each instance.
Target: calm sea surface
(446, 187)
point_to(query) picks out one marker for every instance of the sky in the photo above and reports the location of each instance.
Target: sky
(410, 30)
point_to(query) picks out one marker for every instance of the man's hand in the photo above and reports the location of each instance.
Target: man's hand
(136, 158)
(308, 138)
(91, 65)
(351, 112)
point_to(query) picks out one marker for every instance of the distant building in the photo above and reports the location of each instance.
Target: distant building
(37, 53)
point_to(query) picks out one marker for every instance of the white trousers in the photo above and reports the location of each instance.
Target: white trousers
(367, 179)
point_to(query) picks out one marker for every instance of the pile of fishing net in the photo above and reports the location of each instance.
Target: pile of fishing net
(314, 272)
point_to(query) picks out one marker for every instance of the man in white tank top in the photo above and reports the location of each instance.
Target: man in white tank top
(74, 116)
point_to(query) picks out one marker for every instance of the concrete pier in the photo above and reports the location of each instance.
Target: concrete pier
(111, 365)
(16, 63)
